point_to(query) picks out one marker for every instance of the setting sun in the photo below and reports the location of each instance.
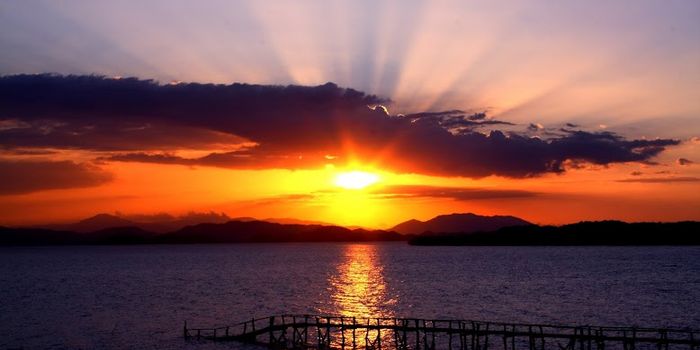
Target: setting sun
(355, 180)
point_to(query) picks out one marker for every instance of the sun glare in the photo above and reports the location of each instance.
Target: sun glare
(355, 180)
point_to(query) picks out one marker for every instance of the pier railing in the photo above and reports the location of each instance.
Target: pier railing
(338, 332)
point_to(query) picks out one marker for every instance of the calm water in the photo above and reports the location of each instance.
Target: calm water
(138, 297)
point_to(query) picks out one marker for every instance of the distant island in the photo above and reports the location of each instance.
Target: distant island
(582, 233)
(453, 229)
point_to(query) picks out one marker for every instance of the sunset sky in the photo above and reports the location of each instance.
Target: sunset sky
(350, 112)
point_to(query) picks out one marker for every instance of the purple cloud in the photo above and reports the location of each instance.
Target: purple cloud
(283, 127)
(18, 177)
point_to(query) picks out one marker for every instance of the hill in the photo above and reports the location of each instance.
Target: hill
(229, 232)
(93, 223)
(160, 223)
(263, 231)
(164, 223)
(582, 233)
(458, 223)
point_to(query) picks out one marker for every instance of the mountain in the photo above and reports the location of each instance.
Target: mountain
(466, 223)
(94, 223)
(614, 233)
(229, 232)
(293, 221)
(263, 231)
(178, 222)
(160, 223)
(583, 233)
(163, 223)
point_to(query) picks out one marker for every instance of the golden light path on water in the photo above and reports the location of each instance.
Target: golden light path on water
(358, 289)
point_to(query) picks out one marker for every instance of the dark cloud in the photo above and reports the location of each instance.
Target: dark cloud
(115, 135)
(457, 121)
(17, 177)
(417, 191)
(289, 127)
(662, 179)
(683, 161)
(535, 127)
(26, 152)
(636, 173)
(231, 160)
(462, 194)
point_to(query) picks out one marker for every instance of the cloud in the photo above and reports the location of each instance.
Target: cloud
(683, 161)
(456, 193)
(456, 121)
(232, 160)
(18, 177)
(662, 179)
(535, 127)
(116, 135)
(414, 191)
(261, 126)
(192, 217)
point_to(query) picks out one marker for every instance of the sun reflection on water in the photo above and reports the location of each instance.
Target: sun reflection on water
(358, 289)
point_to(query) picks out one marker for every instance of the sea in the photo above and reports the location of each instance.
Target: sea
(138, 297)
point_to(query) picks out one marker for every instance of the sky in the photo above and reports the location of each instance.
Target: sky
(361, 113)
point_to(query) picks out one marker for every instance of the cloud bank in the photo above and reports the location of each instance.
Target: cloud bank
(291, 127)
(19, 177)
(455, 193)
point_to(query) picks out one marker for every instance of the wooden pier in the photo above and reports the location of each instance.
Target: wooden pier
(336, 332)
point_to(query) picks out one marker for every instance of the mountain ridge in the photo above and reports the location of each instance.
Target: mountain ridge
(233, 231)
(592, 233)
(583, 233)
(163, 223)
(459, 222)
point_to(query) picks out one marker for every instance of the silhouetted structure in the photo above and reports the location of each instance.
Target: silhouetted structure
(327, 332)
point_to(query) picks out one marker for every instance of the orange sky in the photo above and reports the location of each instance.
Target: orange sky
(584, 194)
(567, 74)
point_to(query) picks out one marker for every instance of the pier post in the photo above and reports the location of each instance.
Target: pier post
(342, 332)
(439, 334)
(379, 335)
(354, 327)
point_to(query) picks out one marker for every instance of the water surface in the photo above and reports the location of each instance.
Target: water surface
(139, 296)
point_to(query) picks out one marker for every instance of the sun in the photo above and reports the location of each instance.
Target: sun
(355, 180)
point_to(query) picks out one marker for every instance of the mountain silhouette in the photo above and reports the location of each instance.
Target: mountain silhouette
(229, 232)
(591, 233)
(293, 221)
(160, 223)
(263, 231)
(466, 223)
(582, 233)
(164, 223)
(93, 223)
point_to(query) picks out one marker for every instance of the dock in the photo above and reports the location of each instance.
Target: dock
(339, 332)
